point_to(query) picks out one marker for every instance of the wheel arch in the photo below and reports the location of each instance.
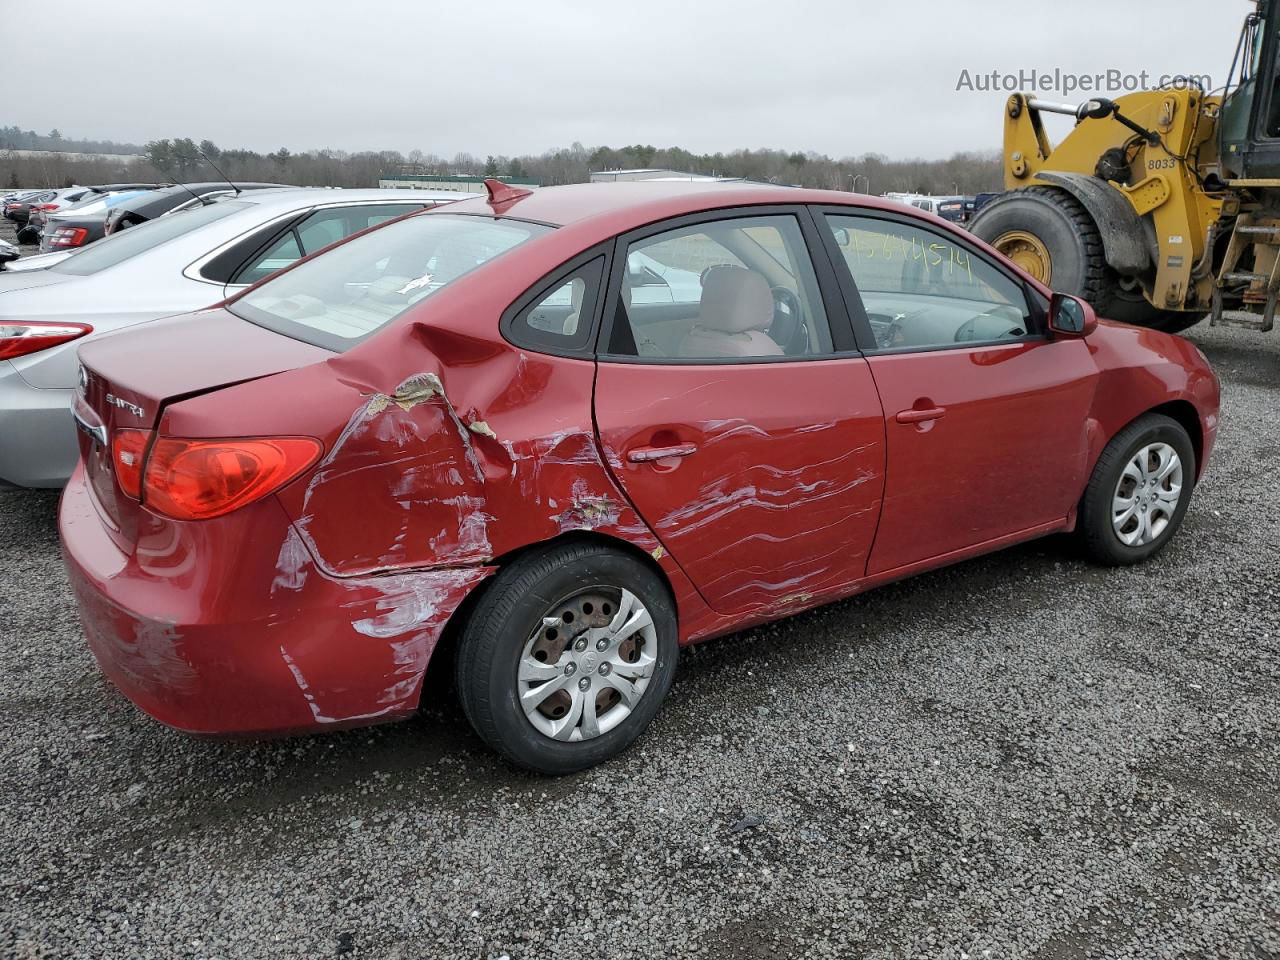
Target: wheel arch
(1187, 416)
(439, 670)
(1181, 411)
(1126, 241)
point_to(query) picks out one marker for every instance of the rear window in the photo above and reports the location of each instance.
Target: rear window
(342, 297)
(121, 246)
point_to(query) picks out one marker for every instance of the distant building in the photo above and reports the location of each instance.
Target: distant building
(650, 173)
(462, 184)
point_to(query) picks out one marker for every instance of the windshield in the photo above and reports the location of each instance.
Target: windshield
(338, 299)
(121, 246)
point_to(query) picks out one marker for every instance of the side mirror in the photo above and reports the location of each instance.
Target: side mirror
(842, 236)
(1071, 317)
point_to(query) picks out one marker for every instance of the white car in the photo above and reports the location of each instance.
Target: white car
(170, 265)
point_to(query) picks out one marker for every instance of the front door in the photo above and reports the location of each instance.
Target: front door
(985, 416)
(751, 444)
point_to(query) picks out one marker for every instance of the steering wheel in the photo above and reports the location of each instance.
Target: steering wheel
(995, 324)
(788, 330)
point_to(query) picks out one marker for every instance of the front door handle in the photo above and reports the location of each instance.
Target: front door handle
(921, 416)
(650, 454)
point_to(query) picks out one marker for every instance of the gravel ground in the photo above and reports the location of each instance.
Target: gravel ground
(1021, 756)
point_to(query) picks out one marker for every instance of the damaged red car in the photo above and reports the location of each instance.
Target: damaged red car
(565, 432)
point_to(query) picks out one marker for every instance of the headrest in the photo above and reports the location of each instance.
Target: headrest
(735, 300)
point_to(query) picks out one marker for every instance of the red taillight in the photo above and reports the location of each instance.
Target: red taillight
(128, 449)
(45, 206)
(20, 339)
(199, 479)
(68, 237)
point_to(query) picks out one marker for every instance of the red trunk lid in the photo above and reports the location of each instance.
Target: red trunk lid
(127, 379)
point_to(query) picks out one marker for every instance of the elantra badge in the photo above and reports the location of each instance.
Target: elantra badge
(125, 405)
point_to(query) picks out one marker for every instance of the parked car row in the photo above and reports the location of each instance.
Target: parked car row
(567, 430)
(77, 216)
(957, 209)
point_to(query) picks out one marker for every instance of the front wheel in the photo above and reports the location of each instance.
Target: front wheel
(567, 657)
(1139, 491)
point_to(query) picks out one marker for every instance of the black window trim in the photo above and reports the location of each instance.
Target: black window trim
(839, 325)
(583, 345)
(268, 234)
(858, 311)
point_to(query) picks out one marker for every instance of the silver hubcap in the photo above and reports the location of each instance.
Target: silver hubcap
(1147, 495)
(588, 664)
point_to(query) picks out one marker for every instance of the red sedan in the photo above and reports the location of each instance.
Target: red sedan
(567, 432)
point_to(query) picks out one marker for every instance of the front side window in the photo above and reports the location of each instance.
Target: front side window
(342, 297)
(740, 288)
(921, 289)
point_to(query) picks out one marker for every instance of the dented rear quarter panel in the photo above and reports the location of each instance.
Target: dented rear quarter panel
(211, 636)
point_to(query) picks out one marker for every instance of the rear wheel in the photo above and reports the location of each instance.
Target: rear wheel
(1139, 491)
(567, 657)
(1049, 234)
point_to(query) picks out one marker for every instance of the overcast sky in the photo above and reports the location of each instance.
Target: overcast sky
(842, 77)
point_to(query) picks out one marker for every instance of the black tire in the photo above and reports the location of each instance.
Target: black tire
(1094, 527)
(508, 614)
(1074, 245)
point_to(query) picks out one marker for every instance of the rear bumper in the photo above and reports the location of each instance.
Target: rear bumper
(38, 445)
(228, 627)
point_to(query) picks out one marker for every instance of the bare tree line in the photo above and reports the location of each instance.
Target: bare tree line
(180, 159)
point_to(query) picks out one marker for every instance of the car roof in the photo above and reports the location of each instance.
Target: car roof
(187, 189)
(167, 197)
(290, 197)
(620, 206)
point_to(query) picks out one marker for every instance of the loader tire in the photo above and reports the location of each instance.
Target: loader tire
(1050, 234)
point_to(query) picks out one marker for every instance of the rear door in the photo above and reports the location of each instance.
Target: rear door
(736, 412)
(986, 416)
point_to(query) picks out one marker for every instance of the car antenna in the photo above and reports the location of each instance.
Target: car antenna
(178, 183)
(219, 172)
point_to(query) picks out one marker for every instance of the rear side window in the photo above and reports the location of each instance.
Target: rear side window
(316, 232)
(741, 289)
(560, 317)
(129, 243)
(344, 296)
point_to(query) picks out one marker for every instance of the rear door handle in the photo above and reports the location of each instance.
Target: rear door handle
(649, 454)
(922, 416)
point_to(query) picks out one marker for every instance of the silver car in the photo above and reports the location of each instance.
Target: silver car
(171, 265)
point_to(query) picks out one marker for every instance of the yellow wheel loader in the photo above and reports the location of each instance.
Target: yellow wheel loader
(1160, 207)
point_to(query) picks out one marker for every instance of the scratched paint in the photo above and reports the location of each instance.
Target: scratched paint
(779, 499)
(291, 564)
